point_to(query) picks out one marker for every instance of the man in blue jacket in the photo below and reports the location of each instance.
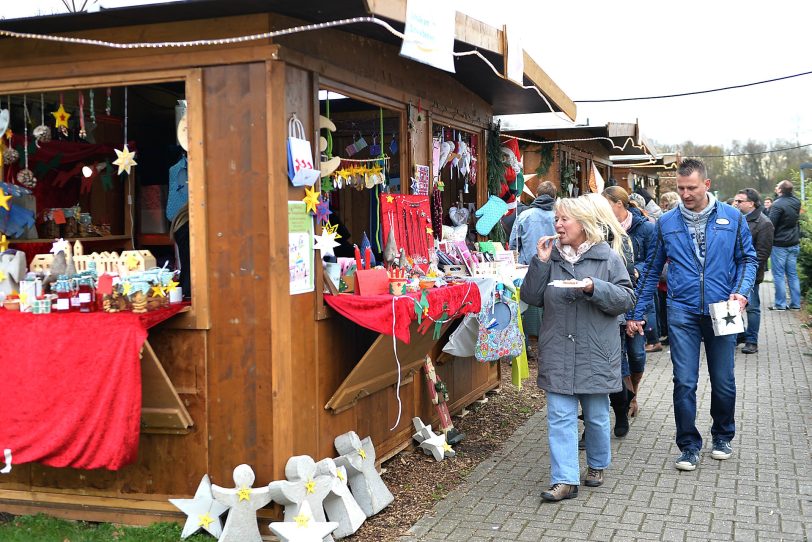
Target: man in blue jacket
(711, 259)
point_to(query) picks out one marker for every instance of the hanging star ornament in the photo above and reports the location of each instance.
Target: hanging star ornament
(61, 117)
(311, 200)
(331, 228)
(125, 160)
(4, 199)
(203, 511)
(323, 211)
(325, 242)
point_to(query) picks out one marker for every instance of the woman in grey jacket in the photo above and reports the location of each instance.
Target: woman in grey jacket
(579, 346)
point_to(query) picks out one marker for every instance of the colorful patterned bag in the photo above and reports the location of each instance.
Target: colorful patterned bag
(499, 334)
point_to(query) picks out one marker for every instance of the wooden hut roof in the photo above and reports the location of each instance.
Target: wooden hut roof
(505, 96)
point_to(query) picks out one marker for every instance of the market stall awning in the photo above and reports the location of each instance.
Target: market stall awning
(505, 96)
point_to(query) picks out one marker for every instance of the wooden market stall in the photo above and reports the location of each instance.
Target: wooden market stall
(250, 373)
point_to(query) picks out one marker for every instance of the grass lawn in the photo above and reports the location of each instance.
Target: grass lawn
(42, 528)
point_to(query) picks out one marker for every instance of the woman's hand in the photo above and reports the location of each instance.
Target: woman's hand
(590, 286)
(544, 247)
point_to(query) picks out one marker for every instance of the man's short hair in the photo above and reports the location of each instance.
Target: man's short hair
(689, 165)
(547, 188)
(752, 195)
(785, 187)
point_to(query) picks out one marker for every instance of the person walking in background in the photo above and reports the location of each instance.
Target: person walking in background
(537, 220)
(641, 232)
(649, 205)
(784, 214)
(748, 202)
(711, 259)
(768, 203)
(668, 201)
(579, 346)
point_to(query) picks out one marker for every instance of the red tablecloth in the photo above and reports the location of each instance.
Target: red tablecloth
(70, 386)
(376, 312)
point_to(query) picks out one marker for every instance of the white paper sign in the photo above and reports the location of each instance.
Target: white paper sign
(429, 33)
(514, 54)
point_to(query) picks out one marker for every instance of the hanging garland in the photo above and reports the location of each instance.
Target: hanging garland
(546, 155)
(496, 168)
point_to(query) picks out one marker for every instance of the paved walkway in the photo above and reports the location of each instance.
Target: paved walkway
(764, 492)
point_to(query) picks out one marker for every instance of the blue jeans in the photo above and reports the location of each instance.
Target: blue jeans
(784, 262)
(562, 431)
(753, 317)
(685, 332)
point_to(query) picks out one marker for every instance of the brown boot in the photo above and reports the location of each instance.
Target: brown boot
(635, 379)
(594, 477)
(558, 492)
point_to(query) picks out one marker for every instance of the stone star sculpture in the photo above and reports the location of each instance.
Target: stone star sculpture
(203, 511)
(303, 528)
(125, 160)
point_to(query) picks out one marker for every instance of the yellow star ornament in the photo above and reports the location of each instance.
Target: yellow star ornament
(158, 291)
(311, 199)
(390, 199)
(362, 453)
(301, 520)
(125, 160)
(331, 228)
(340, 475)
(131, 262)
(61, 116)
(205, 520)
(126, 288)
(244, 493)
(310, 487)
(4, 243)
(2, 276)
(4, 199)
(447, 447)
(171, 286)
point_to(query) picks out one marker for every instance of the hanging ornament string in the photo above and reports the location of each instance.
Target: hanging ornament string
(82, 131)
(125, 159)
(108, 104)
(25, 176)
(92, 107)
(126, 113)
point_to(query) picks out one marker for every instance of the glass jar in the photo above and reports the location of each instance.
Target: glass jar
(87, 295)
(63, 294)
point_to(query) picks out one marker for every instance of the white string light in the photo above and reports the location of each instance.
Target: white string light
(261, 36)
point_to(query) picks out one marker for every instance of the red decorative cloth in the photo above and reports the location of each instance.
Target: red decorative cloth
(383, 313)
(71, 387)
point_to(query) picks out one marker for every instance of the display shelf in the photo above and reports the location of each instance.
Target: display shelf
(71, 239)
(155, 239)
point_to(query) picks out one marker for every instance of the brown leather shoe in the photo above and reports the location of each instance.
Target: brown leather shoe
(559, 492)
(594, 477)
(654, 348)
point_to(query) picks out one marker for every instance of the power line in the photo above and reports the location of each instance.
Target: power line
(748, 153)
(693, 93)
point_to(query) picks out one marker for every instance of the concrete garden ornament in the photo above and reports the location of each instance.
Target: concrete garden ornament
(302, 485)
(358, 456)
(12, 271)
(303, 528)
(243, 502)
(203, 512)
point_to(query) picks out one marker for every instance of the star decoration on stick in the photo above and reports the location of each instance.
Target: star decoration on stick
(311, 199)
(61, 117)
(325, 242)
(203, 511)
(4, 199)
(125, 160)
(323, 211)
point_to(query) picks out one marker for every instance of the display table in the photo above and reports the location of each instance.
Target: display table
(392, 315)
(71, 391)
(389, 361)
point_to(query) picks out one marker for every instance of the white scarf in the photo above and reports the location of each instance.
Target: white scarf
(570, 254)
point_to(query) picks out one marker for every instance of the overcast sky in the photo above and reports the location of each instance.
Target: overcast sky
(595, 49)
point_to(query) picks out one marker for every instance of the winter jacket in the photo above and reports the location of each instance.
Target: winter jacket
(761, 229)
(641, 233)
(536, 221)
(579, 343)
(730, 262)
(784, 215)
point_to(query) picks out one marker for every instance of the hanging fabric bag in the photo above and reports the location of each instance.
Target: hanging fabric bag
(300, 155)
(499, 334)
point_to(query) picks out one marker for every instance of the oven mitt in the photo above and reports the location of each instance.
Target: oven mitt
(489, 214)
